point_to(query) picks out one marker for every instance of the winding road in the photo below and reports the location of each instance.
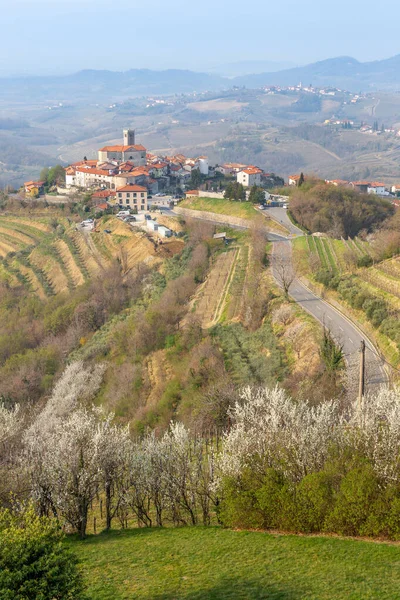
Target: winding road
(345, 332)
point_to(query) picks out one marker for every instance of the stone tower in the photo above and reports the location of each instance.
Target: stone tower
(129, 137)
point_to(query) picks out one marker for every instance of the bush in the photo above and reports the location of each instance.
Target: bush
(240, 506)
(359, 489)
(34, 563)
(314, 497)
(365, 261)
(276, 501)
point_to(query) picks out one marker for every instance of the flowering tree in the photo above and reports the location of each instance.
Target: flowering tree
(292, 437)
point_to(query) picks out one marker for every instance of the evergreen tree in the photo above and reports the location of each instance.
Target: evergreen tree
(195, 178)
(301, 180)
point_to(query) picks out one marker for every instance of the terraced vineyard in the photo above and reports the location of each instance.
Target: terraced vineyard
(332, 252)
(238, 284)
(210, 299)
(50, 256)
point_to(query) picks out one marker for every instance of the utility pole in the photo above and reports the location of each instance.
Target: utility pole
(361, 388)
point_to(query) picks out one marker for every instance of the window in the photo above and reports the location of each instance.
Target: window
(127, 201)
(134, 194)
(119, 195)
(135, 201)
(142, 207)
(142, 194)
(128, 195)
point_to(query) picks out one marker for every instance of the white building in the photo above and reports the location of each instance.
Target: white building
(164, 231)
(249, 176)
(152, 225)
(379, 189)
(202, 164)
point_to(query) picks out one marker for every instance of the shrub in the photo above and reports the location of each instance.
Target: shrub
(364, 261)
(240, 506)
(276, 501)
(314, 497)
(358, 491)
(34, 563)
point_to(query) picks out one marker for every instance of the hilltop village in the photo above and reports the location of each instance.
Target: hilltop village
(129, 177)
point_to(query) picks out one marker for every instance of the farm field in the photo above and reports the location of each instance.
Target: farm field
(211, 563)
(49, 256)
(210, 299)
(331, 252)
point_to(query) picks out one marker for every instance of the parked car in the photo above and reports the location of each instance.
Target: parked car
(107, 230)
(129, 218)
(123, 213)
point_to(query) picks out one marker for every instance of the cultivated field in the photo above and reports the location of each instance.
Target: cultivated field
(50, 256)
(333, 254)
(210, 299)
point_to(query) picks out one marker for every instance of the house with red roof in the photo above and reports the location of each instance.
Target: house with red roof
(103, 196)
(132, 196)
(249, 176)
(34, 188)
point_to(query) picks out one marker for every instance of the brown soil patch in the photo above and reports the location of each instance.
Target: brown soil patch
(169, 248)
(170, 222)
(158, 375)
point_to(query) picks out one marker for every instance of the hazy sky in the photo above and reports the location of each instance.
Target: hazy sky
(60, 36)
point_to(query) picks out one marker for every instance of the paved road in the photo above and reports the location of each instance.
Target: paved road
(280, 215)
(343, 330)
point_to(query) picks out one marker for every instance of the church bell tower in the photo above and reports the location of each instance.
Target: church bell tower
(129, 137)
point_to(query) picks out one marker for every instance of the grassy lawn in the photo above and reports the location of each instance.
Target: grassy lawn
(244, 210)
(213, 563)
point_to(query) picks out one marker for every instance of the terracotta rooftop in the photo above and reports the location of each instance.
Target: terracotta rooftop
(132, 188)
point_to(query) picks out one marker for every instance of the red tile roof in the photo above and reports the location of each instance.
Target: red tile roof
(103, 194)
(132, 188)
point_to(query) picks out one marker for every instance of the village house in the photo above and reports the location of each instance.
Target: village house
(249, 176)
(361, 186)
(294, 180)
(34, 188)
(337, 182)
(395, 189)
(377, 188)
(132, 196)
(230, 168)
(102, 196)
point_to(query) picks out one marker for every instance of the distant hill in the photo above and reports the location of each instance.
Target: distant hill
(98, 86)
(344, 71)
(109, 85)
(249, 67)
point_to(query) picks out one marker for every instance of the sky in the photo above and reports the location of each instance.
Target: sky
(60, 36)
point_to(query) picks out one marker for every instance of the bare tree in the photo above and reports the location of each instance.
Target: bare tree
(284, 268)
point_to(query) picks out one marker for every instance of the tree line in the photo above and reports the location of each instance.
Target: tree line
(281, 464)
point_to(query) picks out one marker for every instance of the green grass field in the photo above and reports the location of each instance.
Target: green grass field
(244, 210)
(214, 563)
